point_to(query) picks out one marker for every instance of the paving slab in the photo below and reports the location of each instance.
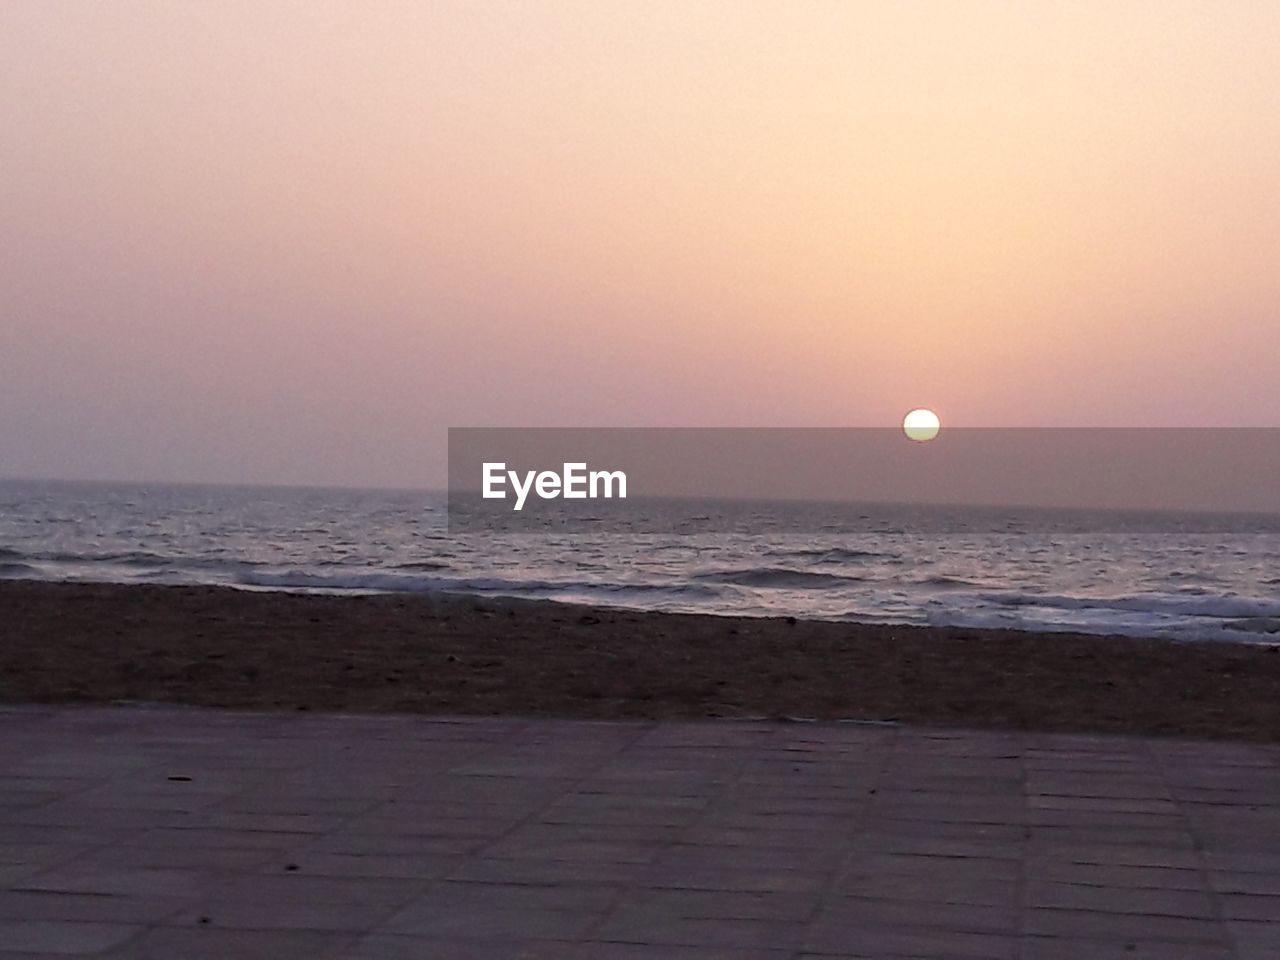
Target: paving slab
(139, 832)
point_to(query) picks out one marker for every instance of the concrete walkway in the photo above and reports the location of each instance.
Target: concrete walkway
(179, 833)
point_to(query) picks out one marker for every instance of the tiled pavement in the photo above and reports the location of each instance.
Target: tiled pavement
(179, 834)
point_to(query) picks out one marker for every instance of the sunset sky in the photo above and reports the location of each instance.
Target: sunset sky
(294, 242)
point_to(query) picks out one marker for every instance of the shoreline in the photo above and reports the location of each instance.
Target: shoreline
(69, 642)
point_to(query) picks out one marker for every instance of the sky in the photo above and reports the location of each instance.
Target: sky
(289, 242)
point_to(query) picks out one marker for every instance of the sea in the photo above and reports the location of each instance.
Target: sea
(1175, 576)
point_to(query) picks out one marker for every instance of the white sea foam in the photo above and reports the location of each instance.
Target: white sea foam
(1155, 603)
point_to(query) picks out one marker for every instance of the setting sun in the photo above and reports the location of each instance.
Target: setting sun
(921, 425)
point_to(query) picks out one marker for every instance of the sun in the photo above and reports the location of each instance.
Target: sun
(921, 425)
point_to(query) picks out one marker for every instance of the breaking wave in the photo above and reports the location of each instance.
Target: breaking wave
(20, 571)
(1197, 606)
(777, 577)
(402, 583)
(831, 555)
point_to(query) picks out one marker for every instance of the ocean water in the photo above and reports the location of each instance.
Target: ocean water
(1175, 576)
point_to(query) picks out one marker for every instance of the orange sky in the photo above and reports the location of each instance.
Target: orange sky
(293, 242)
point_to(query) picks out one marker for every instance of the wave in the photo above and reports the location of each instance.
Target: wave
(938, 580)
(831, 555)
(1255, 625)
(20, 571)
(781, 577)
(1184, 606)
(1191, 575)
(128, 558)
(403, 583)
(142, 558)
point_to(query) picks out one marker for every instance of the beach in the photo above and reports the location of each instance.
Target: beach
(462, 655)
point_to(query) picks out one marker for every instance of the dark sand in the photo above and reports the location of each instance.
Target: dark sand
(62, 642)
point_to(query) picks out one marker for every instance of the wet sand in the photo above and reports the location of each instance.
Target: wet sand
(64, 642)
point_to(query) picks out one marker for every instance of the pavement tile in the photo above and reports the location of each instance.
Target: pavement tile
(545, 872)
(300, 823)
(920, 915)
(1126, 900)
(955, 833)
(826, 824)
(1267, 864)
(62, 938)
(117, 818)
(87, 907)
(646, 926)
(1261, 884)
(388, 843)
(86, 834)
(720, 904)
(911, 863)
(1102, 804)
(426, 917)
(299, 887)
(1120, 854)
(40, 854)
(751, 857)
(832, 937)
(1114, 875)
(733, 879)
(1244, 906)
(319, 863)
(208, 943)
(387, 946)
(1073, 948)
(260, 913)
(1255, 938)
(228, 838)
(419, 823)
(297, 804)
(542, 841)
(97, 878)
(1104, 925)
(188, 834)
(762, 838)
(931, 889)
(596, 950)
(1048, 838)
(119, 856)
(881, 841)
(592, 898)
(998, 812)
(618, 814)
